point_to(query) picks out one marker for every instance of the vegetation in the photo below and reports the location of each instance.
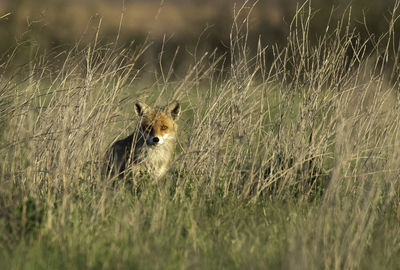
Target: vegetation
(287, 159)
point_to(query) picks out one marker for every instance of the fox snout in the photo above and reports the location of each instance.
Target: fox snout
(156, 140)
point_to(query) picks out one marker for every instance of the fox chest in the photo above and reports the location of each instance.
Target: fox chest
(153, 160)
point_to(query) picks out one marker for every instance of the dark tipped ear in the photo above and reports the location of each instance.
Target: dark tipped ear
(174, 108)
(141, 108)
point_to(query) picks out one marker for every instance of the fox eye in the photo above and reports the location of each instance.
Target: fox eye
(164, 127)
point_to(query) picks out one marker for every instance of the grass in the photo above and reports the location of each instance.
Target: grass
(286, 159)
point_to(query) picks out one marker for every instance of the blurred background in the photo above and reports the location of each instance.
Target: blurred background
(56, 25)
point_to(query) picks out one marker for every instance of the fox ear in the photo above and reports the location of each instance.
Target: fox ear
(174, 108)
(141, 108)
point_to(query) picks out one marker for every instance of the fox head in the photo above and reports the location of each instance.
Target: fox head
(158, 124)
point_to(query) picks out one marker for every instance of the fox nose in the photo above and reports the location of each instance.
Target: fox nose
(156, 140)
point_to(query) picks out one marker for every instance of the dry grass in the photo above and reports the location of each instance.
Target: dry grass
(289, 159)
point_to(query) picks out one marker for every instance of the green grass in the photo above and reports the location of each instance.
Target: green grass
(156, 230)
(290, 163)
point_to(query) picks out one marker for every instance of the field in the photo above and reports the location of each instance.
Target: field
(286, 159)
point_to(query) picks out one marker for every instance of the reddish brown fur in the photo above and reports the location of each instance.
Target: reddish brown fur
(158, 123)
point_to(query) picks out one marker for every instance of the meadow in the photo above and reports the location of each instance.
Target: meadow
(286, 159)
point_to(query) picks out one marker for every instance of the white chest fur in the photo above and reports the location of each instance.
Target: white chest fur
(155, 159)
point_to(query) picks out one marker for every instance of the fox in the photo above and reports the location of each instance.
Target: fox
(150, 147)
